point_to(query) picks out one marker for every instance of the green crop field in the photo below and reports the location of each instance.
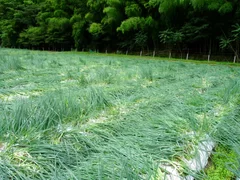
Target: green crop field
(90, 116)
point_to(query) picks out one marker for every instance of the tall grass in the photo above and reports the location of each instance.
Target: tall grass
(10, 63)
(92, 117)
(147, 72)
(231, 90)
(39, 114)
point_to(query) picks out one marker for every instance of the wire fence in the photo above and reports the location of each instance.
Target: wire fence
(185, 55)
(222, 57)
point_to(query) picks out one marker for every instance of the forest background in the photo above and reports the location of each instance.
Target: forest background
(203, 27)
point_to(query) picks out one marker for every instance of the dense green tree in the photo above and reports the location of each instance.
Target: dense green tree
(202, 26)
(32, 37)
(171, 38)
(232, 41)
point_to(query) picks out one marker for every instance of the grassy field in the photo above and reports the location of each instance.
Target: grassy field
(88, 116)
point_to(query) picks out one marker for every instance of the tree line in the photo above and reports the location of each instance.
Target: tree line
(205, 26)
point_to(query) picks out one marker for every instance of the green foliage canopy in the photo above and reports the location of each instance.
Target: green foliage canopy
(111, 23)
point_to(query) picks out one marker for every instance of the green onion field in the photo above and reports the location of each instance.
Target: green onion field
(89, 116)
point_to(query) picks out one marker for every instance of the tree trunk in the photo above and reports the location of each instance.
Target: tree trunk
(237, 50)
